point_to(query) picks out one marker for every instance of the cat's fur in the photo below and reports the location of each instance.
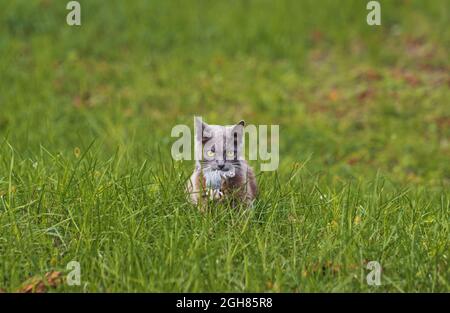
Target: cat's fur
(222, 141)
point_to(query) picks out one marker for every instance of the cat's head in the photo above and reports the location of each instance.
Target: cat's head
(221, 146)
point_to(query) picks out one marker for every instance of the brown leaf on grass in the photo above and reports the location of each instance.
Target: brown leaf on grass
(418, 48)
(412, 79)
(272, 286)
(128, 112)
(82, 100)
(219, 60)
(366, 94)
(316, 36)
(353, 160)
(33, 285)
(54, 278)
(408, 77)
(2, 290)
(38, 284)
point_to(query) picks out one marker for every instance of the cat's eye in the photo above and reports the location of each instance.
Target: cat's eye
(230, 153)
(210, 153)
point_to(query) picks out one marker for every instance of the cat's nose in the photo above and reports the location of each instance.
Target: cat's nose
(221, 166)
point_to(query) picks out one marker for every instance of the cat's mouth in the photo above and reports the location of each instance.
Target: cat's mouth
(224, 173)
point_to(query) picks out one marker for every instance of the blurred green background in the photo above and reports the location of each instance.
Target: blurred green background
(86, 114)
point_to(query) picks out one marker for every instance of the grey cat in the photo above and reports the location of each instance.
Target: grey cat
(221, 173)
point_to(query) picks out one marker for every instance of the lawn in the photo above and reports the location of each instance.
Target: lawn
(86, 172)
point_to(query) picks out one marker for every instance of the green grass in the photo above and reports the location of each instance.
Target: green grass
(85, 166)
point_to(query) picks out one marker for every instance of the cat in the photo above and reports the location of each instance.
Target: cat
(221, 173)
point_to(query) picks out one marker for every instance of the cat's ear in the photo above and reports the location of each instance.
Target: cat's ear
(201, 130)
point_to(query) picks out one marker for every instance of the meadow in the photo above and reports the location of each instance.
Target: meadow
(86, 172)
